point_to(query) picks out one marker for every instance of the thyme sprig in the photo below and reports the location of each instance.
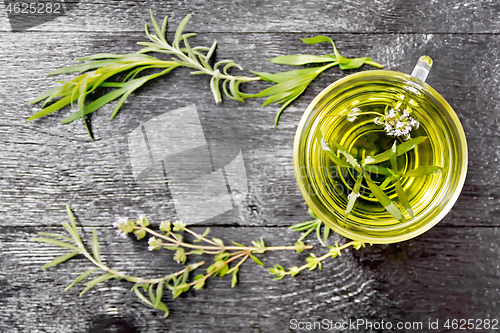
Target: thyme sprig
(314, 261)
(100, 69)
(150, 291)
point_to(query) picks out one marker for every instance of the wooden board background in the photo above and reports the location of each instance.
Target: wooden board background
(451, 272)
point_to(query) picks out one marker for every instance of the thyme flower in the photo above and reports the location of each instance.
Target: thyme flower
(124, 225)
(154, 243)
(397, 123)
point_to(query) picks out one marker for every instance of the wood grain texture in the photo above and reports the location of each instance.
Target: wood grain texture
(419, 16)
(450, 272)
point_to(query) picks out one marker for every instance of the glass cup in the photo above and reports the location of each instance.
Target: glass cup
(431, 196)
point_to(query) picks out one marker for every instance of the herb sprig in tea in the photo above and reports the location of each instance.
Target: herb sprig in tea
(366, 166)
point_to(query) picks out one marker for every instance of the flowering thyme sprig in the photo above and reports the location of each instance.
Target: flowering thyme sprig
(223, 254)
(74, 243)
(171, 239)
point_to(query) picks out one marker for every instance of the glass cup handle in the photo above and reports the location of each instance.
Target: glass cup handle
(422, 68)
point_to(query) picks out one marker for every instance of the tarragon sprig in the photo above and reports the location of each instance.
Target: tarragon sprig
(290, 85)
(100, 69)
(150, 291)
(310, 226)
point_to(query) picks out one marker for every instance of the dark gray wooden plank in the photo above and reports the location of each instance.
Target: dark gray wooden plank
(447, 273)
(46, 165)
(419, 16)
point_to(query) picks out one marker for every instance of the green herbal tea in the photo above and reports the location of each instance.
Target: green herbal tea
(380, 156)
(363, 138)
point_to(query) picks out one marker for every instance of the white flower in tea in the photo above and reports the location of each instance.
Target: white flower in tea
(397, 123)
(353, 114)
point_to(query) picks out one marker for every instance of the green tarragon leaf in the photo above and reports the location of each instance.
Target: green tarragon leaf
(302, 59)
(384, 199)
(354, 194)
(422, 171)
(400, 150)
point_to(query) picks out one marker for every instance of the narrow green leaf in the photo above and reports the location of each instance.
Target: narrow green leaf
(46, 94)
(303, 225)
(326, 232)
(424, 170)
(326, 148)
(256, 260)
(81, 101)
(164, 26)
(289, 99)
(234, 280)
(95, 247)
(156, 27)
(180, 29)
(400, 150)
(218, 241)
(71, 216)
(159, 293)
(378, 170)
(318, 39)
(81, 68)
(237, 244)
(97, 104)
(403, 198)
(394, 162)
(211, 51)
(352, 161)
(311, 213)
(302, 59)
(60, 259)
(55, 242)
(354, 195)
(318, 234)
(223, 270)
(384, 199)
(92, 283)
(384, 184)
(358, 62)
(286, 85)
(161, 306)
(284, 76)
(214, 86)
(52, 108)
(82, 277)
(56, 236)
(278, 97)
(142, 297)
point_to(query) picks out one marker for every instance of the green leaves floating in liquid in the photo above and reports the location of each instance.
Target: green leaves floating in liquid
(400, 150)
(290, 85)
(366, 167)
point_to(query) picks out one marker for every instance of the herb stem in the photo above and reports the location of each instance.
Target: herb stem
(323, 257)
(217, 248)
